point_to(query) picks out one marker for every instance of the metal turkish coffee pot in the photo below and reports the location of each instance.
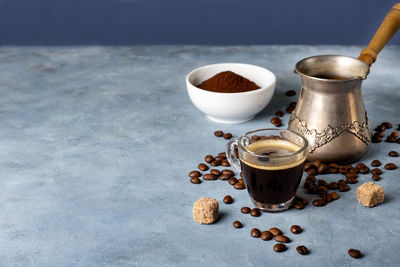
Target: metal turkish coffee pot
(330, 110)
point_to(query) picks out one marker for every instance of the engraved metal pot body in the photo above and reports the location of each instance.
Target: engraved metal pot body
(330, 110)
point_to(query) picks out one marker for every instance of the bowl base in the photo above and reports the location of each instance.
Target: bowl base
(227, 121)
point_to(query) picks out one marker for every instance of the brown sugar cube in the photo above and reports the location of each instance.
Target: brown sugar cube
(370, 194)
(205, 210)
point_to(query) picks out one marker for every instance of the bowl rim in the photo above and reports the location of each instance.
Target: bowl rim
(264, 88)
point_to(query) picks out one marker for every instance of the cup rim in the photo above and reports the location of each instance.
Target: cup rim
(304, 147)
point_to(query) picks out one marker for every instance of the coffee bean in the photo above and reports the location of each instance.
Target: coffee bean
(245, 210)
(355, 253)
(255, 212)
(215, 163)
(276, 121)
(282, 239)
(297, 205)
(375, 163)
(344, 188)
(334, 195)
(351, 175)
(390, 139)
(333, 170)
(202, 167)
(240, 180)
(333, 185)
(302, 250)
(390, 166)
(387, 124)
(380, 128)
(218, 133)
(255, 233)
(224, 177)
(351, 180)
(237, 224)
(225, 163)
(303, 200)
(266, 235)
(376, 177)
(222, 154)
(231, 180)
(376, 171)
(316, 163)
(311, 171)
(319, 202)
(311, 178)
(279, 114)
(327, 197)
(275, 231)
(228, 199)
(228, 172)
(239, 186)
(296, 229)
(290, 93)
(380, 134)
(215, 172)
(227, 136)
(194, 173)
(322, 182)
(395, 135)
(210, 177)
(208, 158)
(364, 170)
(280, 247)
(220, 158)
(195, 180)
(393, 154)
(307, 166)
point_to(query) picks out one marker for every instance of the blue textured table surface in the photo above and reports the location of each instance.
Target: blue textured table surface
(96, 144)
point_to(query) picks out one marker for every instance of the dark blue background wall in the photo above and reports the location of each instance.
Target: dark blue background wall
(56, 22)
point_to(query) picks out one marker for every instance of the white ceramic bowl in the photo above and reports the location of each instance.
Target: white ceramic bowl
(231, 107)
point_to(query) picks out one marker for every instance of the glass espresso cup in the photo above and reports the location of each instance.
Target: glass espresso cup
(272, 163)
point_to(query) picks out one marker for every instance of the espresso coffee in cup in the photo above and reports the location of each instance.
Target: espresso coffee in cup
(275, 183)
(271, 162)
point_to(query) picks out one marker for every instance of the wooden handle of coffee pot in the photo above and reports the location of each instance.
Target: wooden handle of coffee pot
(388, 28)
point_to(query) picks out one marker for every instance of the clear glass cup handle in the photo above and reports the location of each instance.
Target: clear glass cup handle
(230, 154)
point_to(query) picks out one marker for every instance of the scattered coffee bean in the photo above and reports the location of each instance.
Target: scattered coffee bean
(225, 163)
(231, 180)
(319, 202)
(237, 224)
(297, 205)
(322, 182)
(333, 185)
(311, 171)
(351, 175)
(275, 231)
(295, 229)
(218, 133)
(393, 154)
(220, 158)
(222, 154)
(282, 239)
(255, 233)
(279, 114)
(245, 210)
(228, 199)
(194, 173)
(215, 172)
(302, 250)
(239, 186)
(303, 200)
(280, 247)
(195, 180)
(344, 188)
(395, 134)
(266, 235)
(354, 253)
(390, 166)
(215, 163)
(210, 177)
(375, 163)
(376, 171)
(364, 170)
(290, 93)
(228, 172)
(387, 124)
(227, 136)
(255, 212)
(240, 180)
(376, 177)
(351, 180)
(208, 158)
(334, 195)
(224, 177)
(202, 167)
(276, 121)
